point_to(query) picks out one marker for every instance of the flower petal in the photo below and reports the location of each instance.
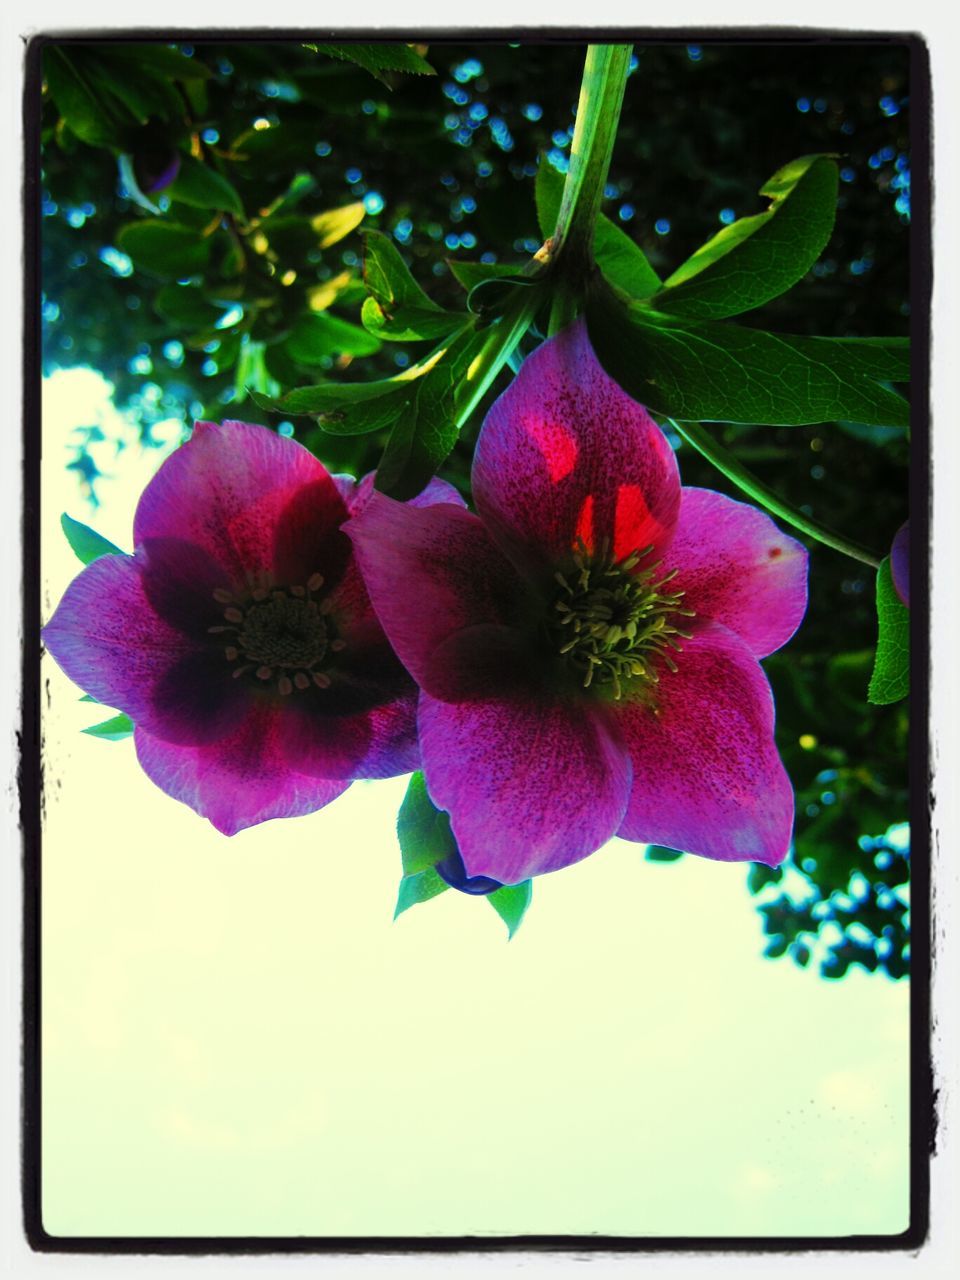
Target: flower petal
(565, 453)
(430, 572)
(530, 785)
(240, 781)
(108, 638)
(707, 777)
(436, 490)
(233, 489)
(735, 567)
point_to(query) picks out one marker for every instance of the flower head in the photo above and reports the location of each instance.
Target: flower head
(239, 636)
(586, 645)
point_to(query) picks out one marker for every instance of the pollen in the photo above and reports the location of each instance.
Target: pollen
(614, 622)
(285, 636)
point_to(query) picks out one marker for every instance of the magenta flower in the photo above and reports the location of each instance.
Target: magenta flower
(239, 636)
(586, 645)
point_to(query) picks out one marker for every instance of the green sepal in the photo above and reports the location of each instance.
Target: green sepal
(890, 680)
(419, 887)
(397, 307)
(510, 904)
(86, 543)
(423, 830)
(620, 259)
(758, 258)
(113, 730)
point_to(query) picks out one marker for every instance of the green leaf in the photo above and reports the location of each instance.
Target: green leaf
(144, 96)
(186, 306)
(621, 260)
(760, 257)
(332, 225)
(398, 308)
(470, 274)
(492, 297)
(709, 371)
(204, 188)
(120, 726)
(377, 58)
(760, 875)
(87, 544)
(422, 829)
(164, 249)
(510, 904)
(890, 680)
(419, 887)
(321, 334)
(160, 61)
(83, 109)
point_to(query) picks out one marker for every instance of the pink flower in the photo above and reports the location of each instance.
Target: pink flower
(239, 636)
(586, 645)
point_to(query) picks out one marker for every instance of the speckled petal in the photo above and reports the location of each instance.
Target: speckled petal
(430, 572)
(531, 784)
(735, 567)
(707, 778)
(240, 781)
(566, 454)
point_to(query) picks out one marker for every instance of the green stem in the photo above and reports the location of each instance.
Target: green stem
(598, 114)
(502, 340)
(725, 462)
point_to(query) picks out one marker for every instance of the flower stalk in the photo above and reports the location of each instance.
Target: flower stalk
(598, 114)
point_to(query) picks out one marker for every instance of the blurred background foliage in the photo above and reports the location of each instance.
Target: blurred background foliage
(201, 207)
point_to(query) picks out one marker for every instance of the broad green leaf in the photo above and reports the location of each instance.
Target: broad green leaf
(890, 680)
(144, 96)
(164, 249)
(408, 324)
(419, 887)
(332, 225)
(760, 257)
(398, 308)
(510, 904)
(321, 334)
(427, 428)
(470, 274)
(160, 61)
(186, 306)
(78, 101)
(87, 544)
(709, 371)
(493, 297)
(621, 260)
(120, 726)
(423, 830)
(340, 400)
(203, 187)
(377, 58)
(760, 875)
(344, 286)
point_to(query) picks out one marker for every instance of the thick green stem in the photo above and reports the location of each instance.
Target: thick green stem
(725, 462)
(598, 114)
(502, 341)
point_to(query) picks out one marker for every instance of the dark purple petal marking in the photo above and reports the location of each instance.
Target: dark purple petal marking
(900, 563)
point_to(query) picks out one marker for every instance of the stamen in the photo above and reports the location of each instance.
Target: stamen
(301, 680)
(264, 673)
(231, 653)
(315, 582)
(222, 596)
(285, 685)
(320, 680)
(233, 615)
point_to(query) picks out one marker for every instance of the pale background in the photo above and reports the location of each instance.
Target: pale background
(239, 1041)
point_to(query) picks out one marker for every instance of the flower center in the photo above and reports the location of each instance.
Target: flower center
(285, 634)
(613, 621)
